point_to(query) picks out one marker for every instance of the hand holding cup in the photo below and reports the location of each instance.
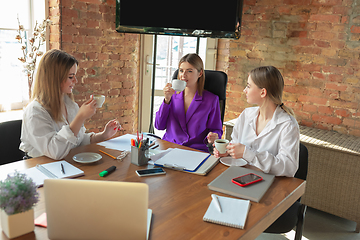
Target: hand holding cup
(100, 99)
(221, 144)
(178, 85)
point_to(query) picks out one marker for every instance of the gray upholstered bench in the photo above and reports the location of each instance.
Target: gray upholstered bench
(333, 180)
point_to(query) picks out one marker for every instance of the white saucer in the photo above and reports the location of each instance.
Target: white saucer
(87, 157)
(229, 161)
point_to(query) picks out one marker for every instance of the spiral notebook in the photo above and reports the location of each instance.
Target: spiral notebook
(52, 170)
(233, 212)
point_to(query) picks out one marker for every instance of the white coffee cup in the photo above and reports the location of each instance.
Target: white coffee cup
(100, 99)
(220, 145)
(178, 85)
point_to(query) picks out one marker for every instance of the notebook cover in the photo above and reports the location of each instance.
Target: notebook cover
(181, 159)
(233, 213)
(253, 192)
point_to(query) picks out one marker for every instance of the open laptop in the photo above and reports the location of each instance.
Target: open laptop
(92, 209)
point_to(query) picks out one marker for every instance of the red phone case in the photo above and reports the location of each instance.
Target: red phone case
(246, 184)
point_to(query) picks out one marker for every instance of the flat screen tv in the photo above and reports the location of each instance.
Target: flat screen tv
(200, 18)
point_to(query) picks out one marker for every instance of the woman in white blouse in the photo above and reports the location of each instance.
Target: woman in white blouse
(53, 123)
(266, 136)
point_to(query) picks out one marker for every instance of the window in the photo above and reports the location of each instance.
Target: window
(14, 92)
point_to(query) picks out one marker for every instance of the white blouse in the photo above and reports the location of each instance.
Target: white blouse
(276, 149)
(41, 135)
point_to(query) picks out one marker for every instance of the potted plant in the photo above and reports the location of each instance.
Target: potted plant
(18, 195)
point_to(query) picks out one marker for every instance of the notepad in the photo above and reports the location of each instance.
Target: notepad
(52, 170)
(181, 159)
(233, 212)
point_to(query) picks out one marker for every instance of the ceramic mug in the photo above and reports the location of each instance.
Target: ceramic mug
(178, 85)
(220, 145)
(100, 99)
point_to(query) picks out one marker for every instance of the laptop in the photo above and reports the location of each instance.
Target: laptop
(94, 209)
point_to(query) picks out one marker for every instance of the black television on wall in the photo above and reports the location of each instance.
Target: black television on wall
(199, 18)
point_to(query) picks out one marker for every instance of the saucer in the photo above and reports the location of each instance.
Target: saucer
(229, 161)
(87, 157)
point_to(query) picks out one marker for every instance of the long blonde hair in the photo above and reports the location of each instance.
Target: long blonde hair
(270, 78)
(197, 63)
(53, 69)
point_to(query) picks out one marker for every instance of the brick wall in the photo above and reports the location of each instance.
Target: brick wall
(315, 44)
(108, 61)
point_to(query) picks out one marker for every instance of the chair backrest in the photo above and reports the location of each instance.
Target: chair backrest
(215, 82)
(303, 163)
(10, 133)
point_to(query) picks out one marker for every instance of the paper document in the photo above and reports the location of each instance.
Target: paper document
(122, 143)
(182, 159)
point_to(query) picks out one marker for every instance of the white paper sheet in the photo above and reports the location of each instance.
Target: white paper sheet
(122, 143)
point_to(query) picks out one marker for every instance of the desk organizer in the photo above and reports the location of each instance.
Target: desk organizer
(138, 156)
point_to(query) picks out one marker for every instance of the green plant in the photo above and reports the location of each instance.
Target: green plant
(18, 193)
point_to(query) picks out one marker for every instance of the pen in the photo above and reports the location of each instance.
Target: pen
(107, 154)
(155, 146)
(151, 144)
(62, 168)
(216, 200)
(107, 171)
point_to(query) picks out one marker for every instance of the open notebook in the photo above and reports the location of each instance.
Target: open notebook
(52, 170)
(96, 209)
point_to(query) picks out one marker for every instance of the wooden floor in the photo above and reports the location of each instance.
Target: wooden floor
(320, 226)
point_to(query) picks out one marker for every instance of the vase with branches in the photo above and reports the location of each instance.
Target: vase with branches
(31, 48)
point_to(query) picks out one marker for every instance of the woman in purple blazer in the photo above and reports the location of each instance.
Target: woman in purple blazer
(192, 117)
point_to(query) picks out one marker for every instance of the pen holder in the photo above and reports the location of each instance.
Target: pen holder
(138, 156)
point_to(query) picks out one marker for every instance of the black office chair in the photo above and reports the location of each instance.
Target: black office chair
(10, 133)
(215, 82)
(294, 216)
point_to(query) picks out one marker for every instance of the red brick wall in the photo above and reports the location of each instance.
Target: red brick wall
(108, 61)
(315, 44)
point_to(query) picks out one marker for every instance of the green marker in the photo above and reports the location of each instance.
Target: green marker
(107, 171)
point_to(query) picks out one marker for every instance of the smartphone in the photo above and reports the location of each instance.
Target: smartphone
(150, 172)
(247, 179)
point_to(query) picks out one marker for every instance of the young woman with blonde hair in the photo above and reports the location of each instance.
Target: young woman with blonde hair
(53, 123)
(266, 136)
(192, 117)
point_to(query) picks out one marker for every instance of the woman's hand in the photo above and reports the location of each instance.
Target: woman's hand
(211, 137)
(235, 150)
(111, 128)
(168, 92)
(87, 109)
(217, 154)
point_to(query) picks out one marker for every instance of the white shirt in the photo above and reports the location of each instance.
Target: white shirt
(276, 149)
(41, 135)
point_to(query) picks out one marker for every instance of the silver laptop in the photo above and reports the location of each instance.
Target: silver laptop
(91, 209)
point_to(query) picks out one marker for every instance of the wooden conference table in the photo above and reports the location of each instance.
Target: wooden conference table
(179, 200)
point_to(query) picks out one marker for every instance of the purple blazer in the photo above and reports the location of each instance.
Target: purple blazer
(192, 128)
